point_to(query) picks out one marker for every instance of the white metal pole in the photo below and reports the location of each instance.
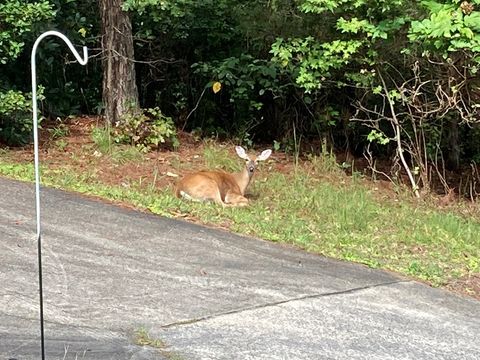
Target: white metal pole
(36, 159)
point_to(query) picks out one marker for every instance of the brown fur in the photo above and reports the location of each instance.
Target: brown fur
(217, 186)
(226, 189)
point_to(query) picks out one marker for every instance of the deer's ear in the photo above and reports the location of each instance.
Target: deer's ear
(241, 152)
(264, 155)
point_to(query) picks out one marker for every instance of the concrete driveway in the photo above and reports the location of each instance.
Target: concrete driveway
(206, 294)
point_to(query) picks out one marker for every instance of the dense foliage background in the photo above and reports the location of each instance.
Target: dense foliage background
(384, 79)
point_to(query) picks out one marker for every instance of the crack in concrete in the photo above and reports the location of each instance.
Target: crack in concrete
(281, 302)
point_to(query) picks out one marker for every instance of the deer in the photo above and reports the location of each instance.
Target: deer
(221, 187)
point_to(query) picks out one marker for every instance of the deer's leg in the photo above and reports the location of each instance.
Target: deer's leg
(217, 198)
(234, 199)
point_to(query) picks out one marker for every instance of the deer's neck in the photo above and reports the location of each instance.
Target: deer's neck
(243, 179)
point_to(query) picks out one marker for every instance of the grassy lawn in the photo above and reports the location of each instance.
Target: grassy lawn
(312, 205)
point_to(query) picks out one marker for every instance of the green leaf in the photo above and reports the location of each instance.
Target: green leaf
(82, 31)
(473, 21)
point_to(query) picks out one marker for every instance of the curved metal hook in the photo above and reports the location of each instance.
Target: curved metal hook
(34, 105)
(37, 171)
(67, 41)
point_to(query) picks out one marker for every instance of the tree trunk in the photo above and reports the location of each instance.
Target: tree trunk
(120, 93)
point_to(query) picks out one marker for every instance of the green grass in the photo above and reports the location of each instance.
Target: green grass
(317, 208)
(102, 138)
(119, 154)
(143, 338)
(59, 131)
(219, 157)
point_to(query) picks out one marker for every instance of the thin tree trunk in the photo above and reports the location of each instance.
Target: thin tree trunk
(398, 133)
(453, 154)
(120, 93)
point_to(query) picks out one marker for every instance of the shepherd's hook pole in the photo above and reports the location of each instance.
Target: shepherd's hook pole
(37, 171)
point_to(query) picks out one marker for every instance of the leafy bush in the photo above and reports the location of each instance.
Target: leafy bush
(145, 130)
(17, 19)
(15, 118)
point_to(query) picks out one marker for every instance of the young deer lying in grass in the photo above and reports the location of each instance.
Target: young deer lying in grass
(226, 189)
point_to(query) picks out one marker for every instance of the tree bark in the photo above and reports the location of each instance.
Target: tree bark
(120, 93)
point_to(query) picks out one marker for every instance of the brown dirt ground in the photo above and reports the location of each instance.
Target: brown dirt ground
(160, 168)
(156, 166)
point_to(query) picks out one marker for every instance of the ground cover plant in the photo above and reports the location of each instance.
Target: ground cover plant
(308, 201)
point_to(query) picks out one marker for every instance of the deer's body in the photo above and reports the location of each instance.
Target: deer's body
(226, 189)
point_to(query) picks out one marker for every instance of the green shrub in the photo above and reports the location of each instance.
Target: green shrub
(15, 118)
(146, 130)
(17, 20)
